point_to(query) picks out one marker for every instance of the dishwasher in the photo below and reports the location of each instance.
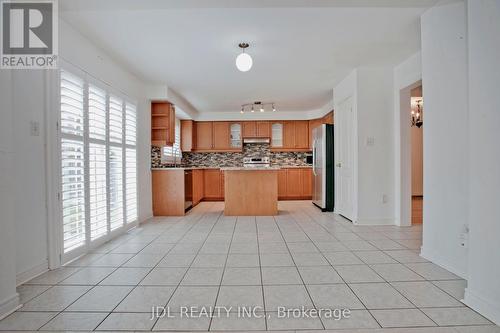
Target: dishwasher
(188, 190)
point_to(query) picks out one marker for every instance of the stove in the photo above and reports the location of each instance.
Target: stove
(256, 162)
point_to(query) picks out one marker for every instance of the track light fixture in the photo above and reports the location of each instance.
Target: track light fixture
(257, 105)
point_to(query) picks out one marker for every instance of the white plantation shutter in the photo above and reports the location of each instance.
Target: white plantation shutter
(115, 120)
(130, 125)
(97, 113)
(131, 184)
(116, 187)
(130, 162)
(71, 104)
(72, 161)
(98, 135)
(97, 187)
(72, 196)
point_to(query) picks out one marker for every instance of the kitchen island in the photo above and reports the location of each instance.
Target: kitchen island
(251, 191)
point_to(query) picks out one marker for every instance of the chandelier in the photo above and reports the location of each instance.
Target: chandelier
(416, 115)
(261, 107)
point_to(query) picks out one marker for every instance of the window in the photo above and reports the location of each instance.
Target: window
(98, 136)
(174, 154)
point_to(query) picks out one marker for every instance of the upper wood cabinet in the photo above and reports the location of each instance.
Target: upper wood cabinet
(235, 136)
(276, 135)
(289, 134)
(256, 129)
(204, 135)
(249, 129)
(263, 129)
(188, 135)
(301, 134)
(221, 135)
(162, 124)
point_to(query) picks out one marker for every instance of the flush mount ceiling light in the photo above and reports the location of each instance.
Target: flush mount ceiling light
(257, 105)
(244, 61)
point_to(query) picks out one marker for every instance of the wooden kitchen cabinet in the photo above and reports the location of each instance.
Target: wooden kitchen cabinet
(198, 186)
(188, 135)
(162, 124)
(212, 182)
(256, 129)
(301, 134)
(282, 188)
(221, 182)
(288, 134)
(295, 184)
(276, 134)
(204, 135)
(263, 129)
(221, 135)
(307, 182)
(249, 129)
(168, 192)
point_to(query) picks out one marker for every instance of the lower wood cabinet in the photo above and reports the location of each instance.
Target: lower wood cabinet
(168, 192)
(208, 184)
(214, 185)
(198, 186)
(295, 183)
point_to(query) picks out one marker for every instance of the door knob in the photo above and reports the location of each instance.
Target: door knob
(339, 165)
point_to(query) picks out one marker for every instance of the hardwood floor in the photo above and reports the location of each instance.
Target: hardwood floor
(417, 210)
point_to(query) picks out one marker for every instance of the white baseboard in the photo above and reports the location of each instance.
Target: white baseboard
(32, 273)
(426, 254)
(9, 305)
(383, 221)
(490, 308)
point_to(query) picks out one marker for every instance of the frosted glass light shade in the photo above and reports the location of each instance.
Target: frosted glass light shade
(244, 62)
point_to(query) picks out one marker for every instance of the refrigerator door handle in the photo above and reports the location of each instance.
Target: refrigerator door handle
(314, 158)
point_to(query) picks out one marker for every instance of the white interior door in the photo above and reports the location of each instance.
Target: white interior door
(344, 151)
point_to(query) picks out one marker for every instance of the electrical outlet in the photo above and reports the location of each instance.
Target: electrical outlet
(370, 141)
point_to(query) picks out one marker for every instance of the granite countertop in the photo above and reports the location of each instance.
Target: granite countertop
(251, 168)
(272, 167)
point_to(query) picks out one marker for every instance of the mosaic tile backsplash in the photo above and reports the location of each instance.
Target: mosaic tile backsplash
(218, 160)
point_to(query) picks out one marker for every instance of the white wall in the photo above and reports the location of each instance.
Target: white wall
(483, 289)
(371, 90)
(375, 161)
(406, 75)
(8, 296)
(444, 80)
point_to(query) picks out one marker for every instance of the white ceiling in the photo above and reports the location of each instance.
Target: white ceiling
(300, 48)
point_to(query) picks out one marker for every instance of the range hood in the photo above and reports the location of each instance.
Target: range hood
(256, 140)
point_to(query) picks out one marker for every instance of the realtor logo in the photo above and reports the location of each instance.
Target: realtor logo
(29, 34)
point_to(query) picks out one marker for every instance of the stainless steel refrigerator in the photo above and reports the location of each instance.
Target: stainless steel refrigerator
(323, 170)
